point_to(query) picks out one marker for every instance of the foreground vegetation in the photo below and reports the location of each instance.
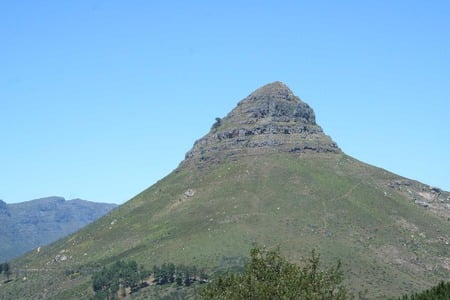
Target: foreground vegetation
(268, 275)
(438, 292)
(6, 270)
(265, 275)
(124, 278)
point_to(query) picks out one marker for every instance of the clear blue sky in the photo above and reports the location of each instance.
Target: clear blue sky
(100, 99)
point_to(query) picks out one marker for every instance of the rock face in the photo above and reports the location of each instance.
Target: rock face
(271, 119)
(430, 198)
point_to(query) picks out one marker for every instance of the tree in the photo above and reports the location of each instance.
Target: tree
(268, 275)
(106, 283)
(118, 276)
(217, 123)
(130, 274)
(164, 274)
(187, 277)
(171, 272)
(143, 274)
(6, 270)
(157, 273)
(438, 292)
(179, 279)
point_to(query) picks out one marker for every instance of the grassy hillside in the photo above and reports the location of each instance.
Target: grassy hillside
(211, 216)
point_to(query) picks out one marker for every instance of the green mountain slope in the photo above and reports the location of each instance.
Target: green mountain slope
(264, 174)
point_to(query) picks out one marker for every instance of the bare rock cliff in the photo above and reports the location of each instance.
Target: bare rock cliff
(271, 119)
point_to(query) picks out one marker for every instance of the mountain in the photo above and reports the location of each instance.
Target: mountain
(265, 174)
(31, 224)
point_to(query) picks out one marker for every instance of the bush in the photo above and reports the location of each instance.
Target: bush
(268, 275)
(438, 292)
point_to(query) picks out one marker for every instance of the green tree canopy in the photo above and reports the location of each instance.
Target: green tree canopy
(5, 269)
(268, 275)
(438, 292)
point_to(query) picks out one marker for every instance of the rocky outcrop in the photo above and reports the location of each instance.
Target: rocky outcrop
(431, 198)
(271, 119)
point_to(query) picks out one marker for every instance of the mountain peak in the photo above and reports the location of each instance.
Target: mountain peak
(275, 89)
(275, 102)
(271, 119)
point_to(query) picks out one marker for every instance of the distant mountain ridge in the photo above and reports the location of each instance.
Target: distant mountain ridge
(30, 224)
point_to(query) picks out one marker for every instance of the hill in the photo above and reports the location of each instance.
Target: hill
(265, 174)
(31, 224)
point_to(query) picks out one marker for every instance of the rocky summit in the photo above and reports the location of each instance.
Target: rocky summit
(271, 119)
